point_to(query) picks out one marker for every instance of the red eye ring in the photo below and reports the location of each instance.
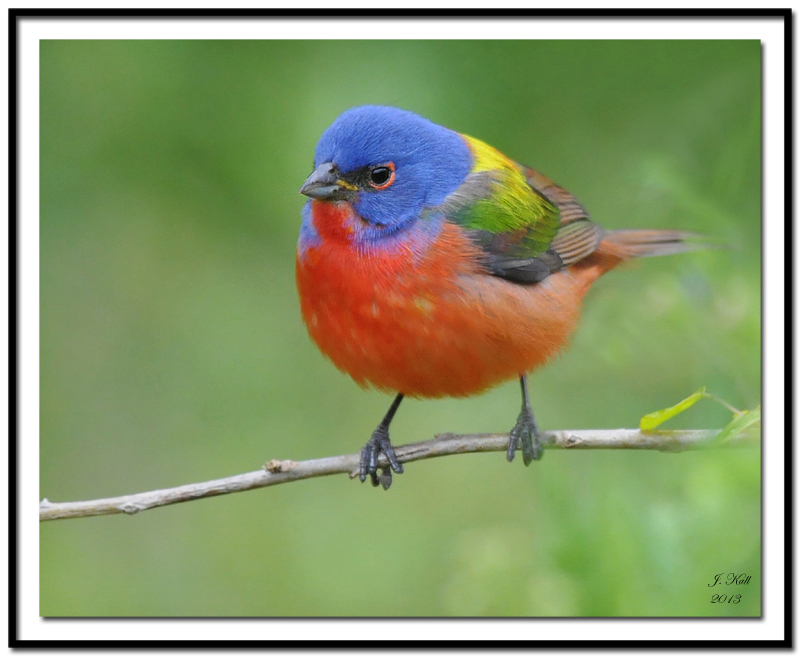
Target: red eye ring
(381, 177)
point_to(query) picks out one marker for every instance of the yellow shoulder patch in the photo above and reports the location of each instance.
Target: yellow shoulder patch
(488, 158)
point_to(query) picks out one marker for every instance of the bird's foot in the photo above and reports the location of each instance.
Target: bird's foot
(377, 444)
(525, 436)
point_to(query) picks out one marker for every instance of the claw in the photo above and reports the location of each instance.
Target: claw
(377, 444)
(513, 445)
(525, 434)
(384, 479)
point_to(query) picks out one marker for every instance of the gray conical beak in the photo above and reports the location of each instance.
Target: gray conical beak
(325, 183)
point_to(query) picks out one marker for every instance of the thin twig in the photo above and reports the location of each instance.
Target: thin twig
(276, 472)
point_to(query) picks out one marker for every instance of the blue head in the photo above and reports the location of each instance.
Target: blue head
(390, 164)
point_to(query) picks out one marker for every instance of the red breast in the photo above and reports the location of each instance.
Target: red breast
(431, 324)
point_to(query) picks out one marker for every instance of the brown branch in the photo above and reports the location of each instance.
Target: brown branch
(276, 472)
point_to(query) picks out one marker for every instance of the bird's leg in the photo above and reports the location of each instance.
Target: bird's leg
(525, 434)
(377, 444)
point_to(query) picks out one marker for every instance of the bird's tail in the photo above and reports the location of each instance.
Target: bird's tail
(617, 246)
(626, 244)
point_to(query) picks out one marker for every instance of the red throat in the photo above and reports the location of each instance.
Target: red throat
(333, 221)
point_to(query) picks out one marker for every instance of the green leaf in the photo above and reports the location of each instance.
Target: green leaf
(650, 421)
(745, 420)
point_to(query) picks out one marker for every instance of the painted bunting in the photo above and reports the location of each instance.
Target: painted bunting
(430, 264)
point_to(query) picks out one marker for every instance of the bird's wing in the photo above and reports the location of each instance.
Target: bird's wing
(526, 226)
(577, 236)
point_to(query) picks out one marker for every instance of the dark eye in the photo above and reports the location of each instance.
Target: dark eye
(381, 177)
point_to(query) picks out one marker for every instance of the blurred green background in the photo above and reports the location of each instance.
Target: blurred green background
(172, 348)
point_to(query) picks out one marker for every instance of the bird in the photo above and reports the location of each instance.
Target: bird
(429, 264)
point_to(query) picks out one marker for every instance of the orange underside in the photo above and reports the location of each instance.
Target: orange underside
(435, 325)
